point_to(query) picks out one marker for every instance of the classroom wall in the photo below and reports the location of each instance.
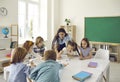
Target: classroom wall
(52, 15)
(58, 10)
(53, 20)
(12, 17)
(76, 10)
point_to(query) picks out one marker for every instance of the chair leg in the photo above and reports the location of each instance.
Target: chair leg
(104, 78)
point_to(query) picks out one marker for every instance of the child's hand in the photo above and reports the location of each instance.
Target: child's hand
(29, 80)
(81, 58)
(65, 64)
(58, 56)
(32, 63)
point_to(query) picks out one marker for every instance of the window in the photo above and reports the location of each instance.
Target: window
(43, 18)
(32, 19)
(21, 17)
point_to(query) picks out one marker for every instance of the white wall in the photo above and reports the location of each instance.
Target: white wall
(56, 14)
(52, 15)
(53, 20)
(12, 17)
(76, 10)
(58, 10)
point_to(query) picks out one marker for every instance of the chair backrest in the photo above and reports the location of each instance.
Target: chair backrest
(102, 54)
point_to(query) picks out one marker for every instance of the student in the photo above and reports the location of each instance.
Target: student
(47, 71)
(85, 50)
(68, 50)
(60, 40)
(18, 70)
(28, 45)
(39, 47)
(76, 49)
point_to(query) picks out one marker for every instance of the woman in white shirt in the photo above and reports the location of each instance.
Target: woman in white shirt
(60, 40)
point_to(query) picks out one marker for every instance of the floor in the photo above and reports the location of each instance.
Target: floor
(114, 73)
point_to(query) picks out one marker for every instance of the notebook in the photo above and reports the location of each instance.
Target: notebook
(92, 64)
(2, 48)
(13, 44)
(81, 76)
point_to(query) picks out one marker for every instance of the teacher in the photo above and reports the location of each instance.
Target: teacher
(60, 40)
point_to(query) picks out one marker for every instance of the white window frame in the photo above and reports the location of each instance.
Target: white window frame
(24, 38)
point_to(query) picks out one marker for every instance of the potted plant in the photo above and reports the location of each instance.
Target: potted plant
(67, 21)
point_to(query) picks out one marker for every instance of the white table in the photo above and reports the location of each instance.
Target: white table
(76, 65)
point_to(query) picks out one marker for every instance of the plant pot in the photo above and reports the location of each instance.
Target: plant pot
(67, 24)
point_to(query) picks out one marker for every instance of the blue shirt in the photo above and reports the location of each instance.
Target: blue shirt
(39, 50)
(85, 52)
(47, 71)
(64, 40)
(18, 72)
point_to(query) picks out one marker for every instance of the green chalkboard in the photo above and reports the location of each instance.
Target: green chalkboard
(103, 29)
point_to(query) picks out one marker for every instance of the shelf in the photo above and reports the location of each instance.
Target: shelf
(5, 44)
(4, 59)
(12, 36)
(5, 38)
(114, 48)
(113, 53)
(71, 30)
(110, 53)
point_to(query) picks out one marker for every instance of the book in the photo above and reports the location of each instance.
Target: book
(2, 49)
(8, 55)
(13, 44)
(92, 64)
(81, 76)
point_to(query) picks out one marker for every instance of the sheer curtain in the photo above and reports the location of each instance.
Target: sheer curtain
(32, 19)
